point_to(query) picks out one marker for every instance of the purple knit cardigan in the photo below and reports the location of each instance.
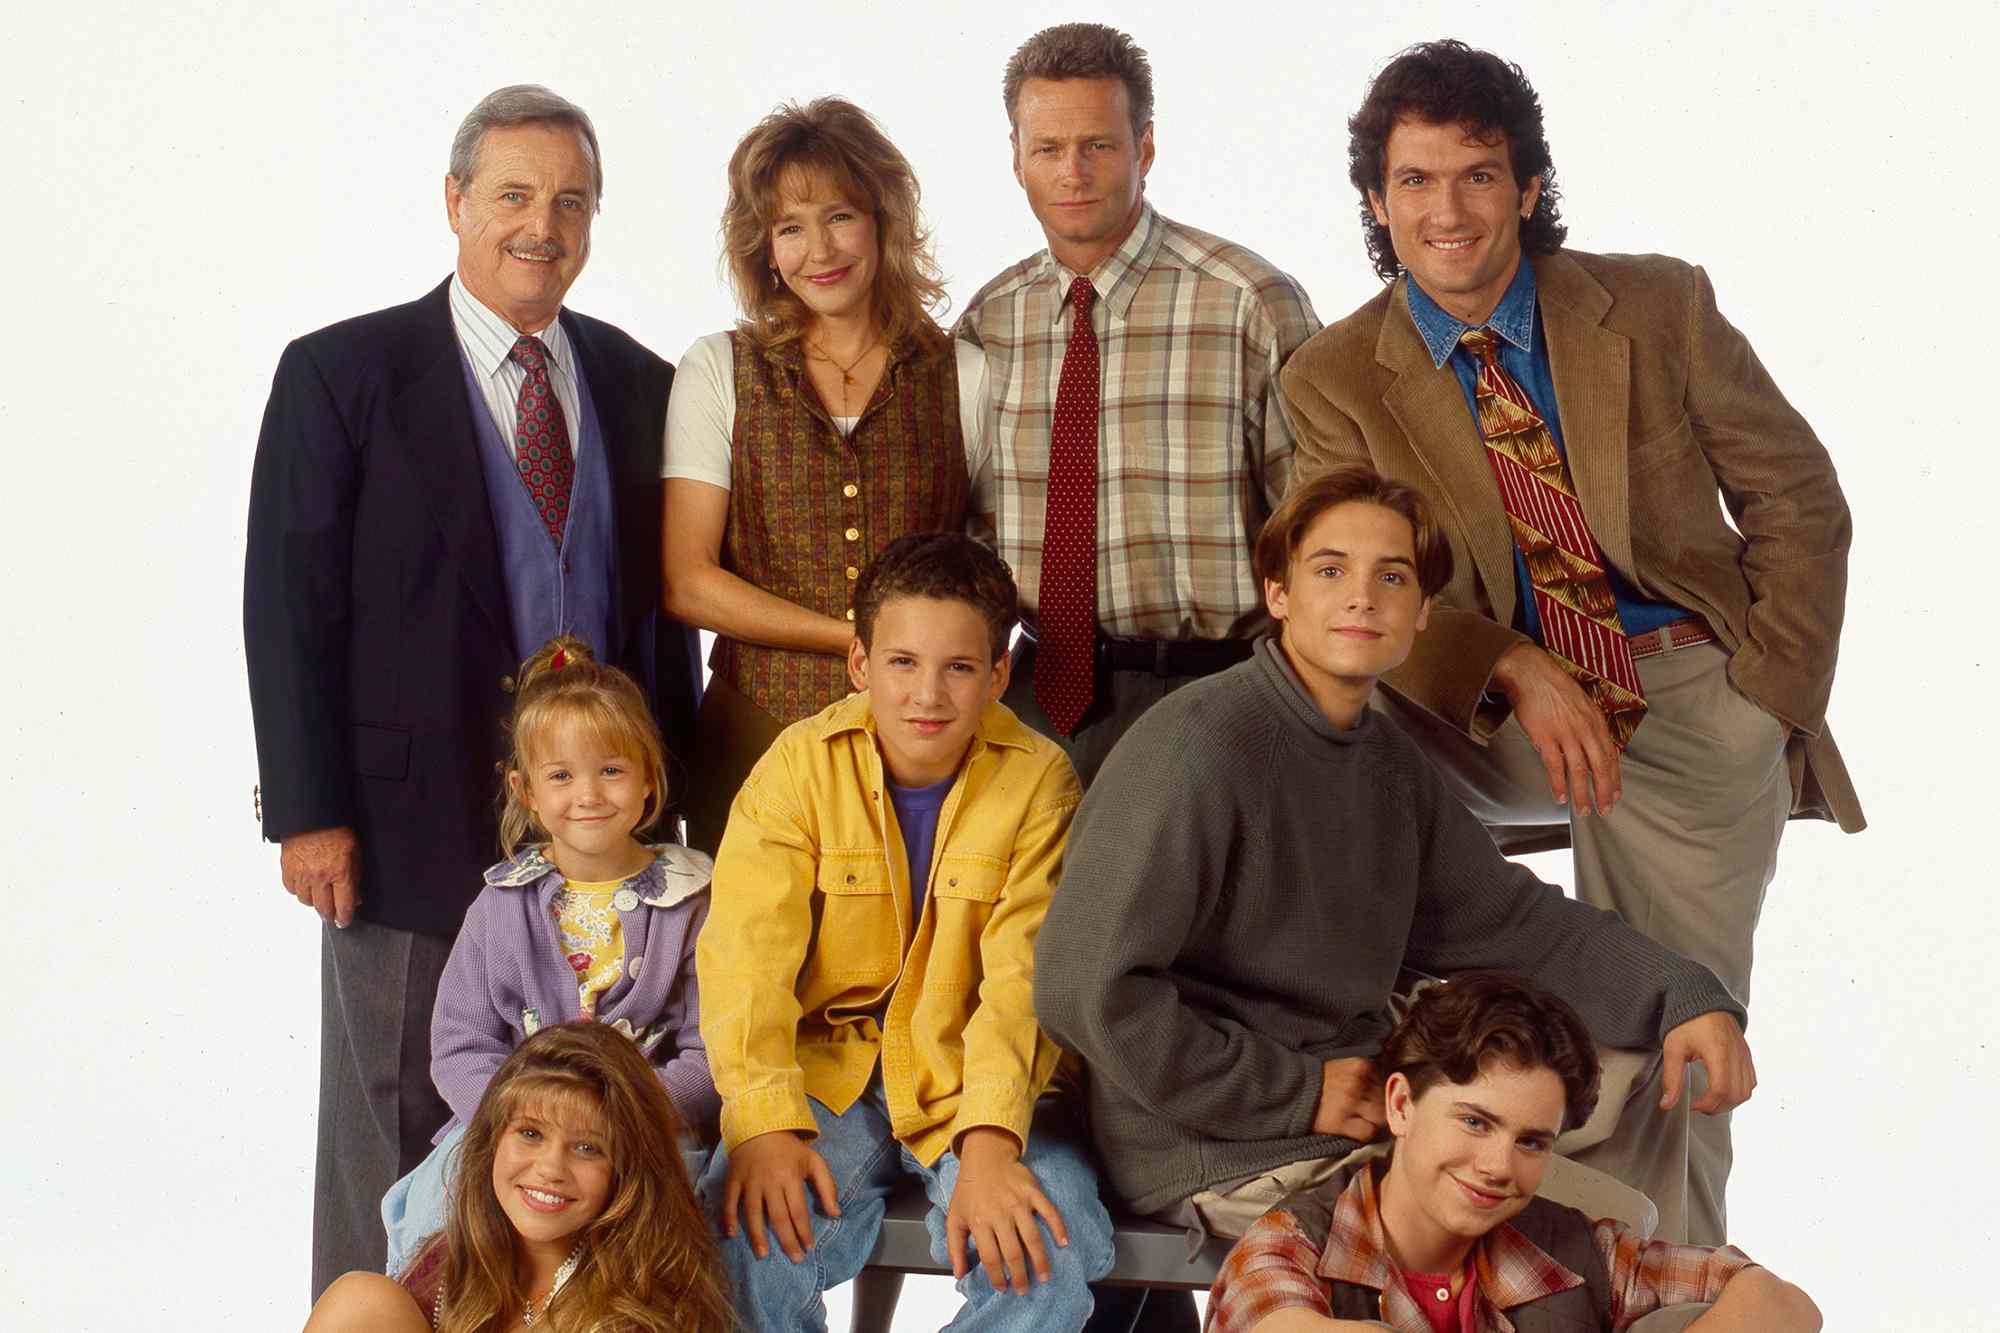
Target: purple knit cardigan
(508, 976)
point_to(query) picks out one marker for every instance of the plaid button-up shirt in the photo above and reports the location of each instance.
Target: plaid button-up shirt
(1291, 1256)
(1194, 449)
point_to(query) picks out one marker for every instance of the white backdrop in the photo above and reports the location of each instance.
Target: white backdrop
(195, 185)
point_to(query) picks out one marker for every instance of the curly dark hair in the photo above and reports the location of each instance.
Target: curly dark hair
(1449, 83)
(947, 566)
(1455, 1030)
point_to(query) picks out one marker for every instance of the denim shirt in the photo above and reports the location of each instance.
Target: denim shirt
(1524, 355)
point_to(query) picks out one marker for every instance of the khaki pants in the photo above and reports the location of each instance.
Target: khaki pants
(1685, 859)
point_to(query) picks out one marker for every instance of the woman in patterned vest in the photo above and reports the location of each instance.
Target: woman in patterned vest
(834, 418)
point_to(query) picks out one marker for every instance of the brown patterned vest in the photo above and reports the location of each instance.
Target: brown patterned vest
(808, 507)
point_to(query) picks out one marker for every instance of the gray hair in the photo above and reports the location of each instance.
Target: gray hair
(523, 104)
(1082, 51)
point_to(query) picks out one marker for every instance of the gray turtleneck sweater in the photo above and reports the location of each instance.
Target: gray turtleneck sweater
(1244, 882)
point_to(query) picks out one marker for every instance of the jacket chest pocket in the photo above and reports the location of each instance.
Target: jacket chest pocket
(966, 894)
(855, 935)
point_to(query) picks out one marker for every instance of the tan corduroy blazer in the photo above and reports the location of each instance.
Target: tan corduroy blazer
(1667, 417)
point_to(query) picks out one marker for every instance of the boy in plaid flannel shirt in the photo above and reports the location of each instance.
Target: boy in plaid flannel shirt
(1447, 1235)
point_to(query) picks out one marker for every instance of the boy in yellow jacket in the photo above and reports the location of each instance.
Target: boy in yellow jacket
(867, 968)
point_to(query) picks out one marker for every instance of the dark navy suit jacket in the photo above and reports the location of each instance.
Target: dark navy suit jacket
(374, 615)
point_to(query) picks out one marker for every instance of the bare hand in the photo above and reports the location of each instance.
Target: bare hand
(1350, 1100)
(322, 869)
(768, 1174)
(1716, 1041)
(1567, 730)
(995, 1204)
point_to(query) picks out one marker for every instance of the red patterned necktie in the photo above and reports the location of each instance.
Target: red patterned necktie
(541, 440)
(1066, 614)
(1579, 614)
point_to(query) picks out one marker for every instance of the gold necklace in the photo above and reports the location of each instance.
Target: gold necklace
(846, 371)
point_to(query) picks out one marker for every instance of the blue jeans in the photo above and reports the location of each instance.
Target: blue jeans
(775, 1295)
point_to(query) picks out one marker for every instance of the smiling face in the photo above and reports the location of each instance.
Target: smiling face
(1468, 1157)
(1454, 213)
(1082, 166)
(552, 1173)
(523, 221)
(826, 249)
(1350, 604)
(590, 798)
(929, 675)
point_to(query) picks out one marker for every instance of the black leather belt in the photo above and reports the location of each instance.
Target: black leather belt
(1165, 657)
(1171, 657)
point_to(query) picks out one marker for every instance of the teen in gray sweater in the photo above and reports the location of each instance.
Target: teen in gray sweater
(1262, 856)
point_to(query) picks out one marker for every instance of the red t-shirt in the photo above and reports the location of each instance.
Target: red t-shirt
(1432, 1293)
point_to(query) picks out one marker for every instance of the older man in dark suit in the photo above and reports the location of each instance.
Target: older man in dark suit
(440, 487)
(1616, 664)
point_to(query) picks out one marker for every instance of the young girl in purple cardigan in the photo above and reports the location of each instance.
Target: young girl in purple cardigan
(591, 923)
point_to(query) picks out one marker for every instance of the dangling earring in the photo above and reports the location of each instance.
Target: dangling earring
(776, 281)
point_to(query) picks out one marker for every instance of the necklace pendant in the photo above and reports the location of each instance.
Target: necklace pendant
(846, 378)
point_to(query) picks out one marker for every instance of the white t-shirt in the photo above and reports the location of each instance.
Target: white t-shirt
(701, 412)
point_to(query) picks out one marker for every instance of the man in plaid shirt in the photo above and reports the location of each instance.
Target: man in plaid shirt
(1447, 1236)
(1173, 374)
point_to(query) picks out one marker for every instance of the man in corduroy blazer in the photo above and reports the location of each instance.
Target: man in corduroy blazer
(1616, 664)
(440, 487)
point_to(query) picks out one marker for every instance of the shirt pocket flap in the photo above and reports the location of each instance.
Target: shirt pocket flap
(852, 875)
(972, 881)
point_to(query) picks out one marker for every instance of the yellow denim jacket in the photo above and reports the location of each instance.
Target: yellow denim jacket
(809, 936)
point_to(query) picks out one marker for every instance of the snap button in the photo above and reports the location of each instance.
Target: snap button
(850, 490)
(637, 964)
(854, 534)
(625, 900)
(850, 613)
(952, 882)
(851, 879)
(853, 573)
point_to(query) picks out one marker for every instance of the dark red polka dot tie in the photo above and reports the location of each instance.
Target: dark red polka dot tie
(541, 439)
(1066, 616)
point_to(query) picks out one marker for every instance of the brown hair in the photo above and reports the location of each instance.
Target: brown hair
(832, 140)
(1455, 1030)
(945, 565)
(1082, 51)
(565, 683)
(1450, 83)
(1278, 540)
(650, 1261)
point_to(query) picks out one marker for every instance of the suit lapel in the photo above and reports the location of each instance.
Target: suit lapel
(432, 417)
(1429, 405)
(1592, 369)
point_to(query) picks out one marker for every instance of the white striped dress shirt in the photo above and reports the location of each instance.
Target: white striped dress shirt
(487, 340)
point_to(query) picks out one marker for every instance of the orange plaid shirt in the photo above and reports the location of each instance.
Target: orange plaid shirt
(1293, 1254)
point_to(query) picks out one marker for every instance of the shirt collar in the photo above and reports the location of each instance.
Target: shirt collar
(1511, 1269)
(1117, 277)
(674, 873)
(1513, 319)
(487, 338)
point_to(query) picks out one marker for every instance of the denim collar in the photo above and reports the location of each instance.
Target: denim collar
(1513, 319)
